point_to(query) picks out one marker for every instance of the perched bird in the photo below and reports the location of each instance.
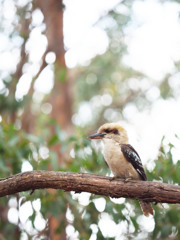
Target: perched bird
(121, 157)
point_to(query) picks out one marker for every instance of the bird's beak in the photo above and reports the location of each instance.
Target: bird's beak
(97, 136)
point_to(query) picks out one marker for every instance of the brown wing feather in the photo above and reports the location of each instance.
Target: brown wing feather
(133, 157)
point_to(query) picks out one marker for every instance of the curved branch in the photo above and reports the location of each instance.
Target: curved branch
(84, 182)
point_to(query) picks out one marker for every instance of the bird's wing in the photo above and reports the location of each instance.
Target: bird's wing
(133, 157)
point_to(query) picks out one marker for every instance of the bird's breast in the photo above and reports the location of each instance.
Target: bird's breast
(117, 162)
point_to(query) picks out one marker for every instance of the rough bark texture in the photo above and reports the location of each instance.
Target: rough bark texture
(83, 182)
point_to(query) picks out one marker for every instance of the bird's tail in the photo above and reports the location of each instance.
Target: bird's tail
(146, 208)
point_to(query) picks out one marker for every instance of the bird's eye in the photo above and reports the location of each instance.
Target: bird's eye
(115, 131)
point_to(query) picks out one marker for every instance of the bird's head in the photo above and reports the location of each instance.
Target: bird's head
(111, 131)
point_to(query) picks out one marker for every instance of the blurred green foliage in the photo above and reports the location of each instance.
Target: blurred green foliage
(167, 219)
(86, 159)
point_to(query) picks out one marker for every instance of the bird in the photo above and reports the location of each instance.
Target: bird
(121, 157)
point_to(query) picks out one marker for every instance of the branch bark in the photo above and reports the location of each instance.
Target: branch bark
(84, 182)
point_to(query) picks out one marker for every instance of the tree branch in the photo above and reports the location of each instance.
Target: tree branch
(84, 182)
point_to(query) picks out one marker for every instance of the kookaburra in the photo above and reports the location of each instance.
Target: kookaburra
(121, 157)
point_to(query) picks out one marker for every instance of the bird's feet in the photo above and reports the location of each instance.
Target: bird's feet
(115, 178)
(127, 179)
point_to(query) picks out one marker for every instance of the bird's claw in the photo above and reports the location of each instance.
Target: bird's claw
(127, 179)
(115, 178)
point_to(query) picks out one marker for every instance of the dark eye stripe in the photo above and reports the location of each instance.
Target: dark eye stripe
(108, 130)
(115, 131)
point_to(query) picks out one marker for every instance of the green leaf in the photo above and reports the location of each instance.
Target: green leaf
(54, 161)
(53, 140)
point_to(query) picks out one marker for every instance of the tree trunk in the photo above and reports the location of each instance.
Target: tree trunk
(61, 95)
